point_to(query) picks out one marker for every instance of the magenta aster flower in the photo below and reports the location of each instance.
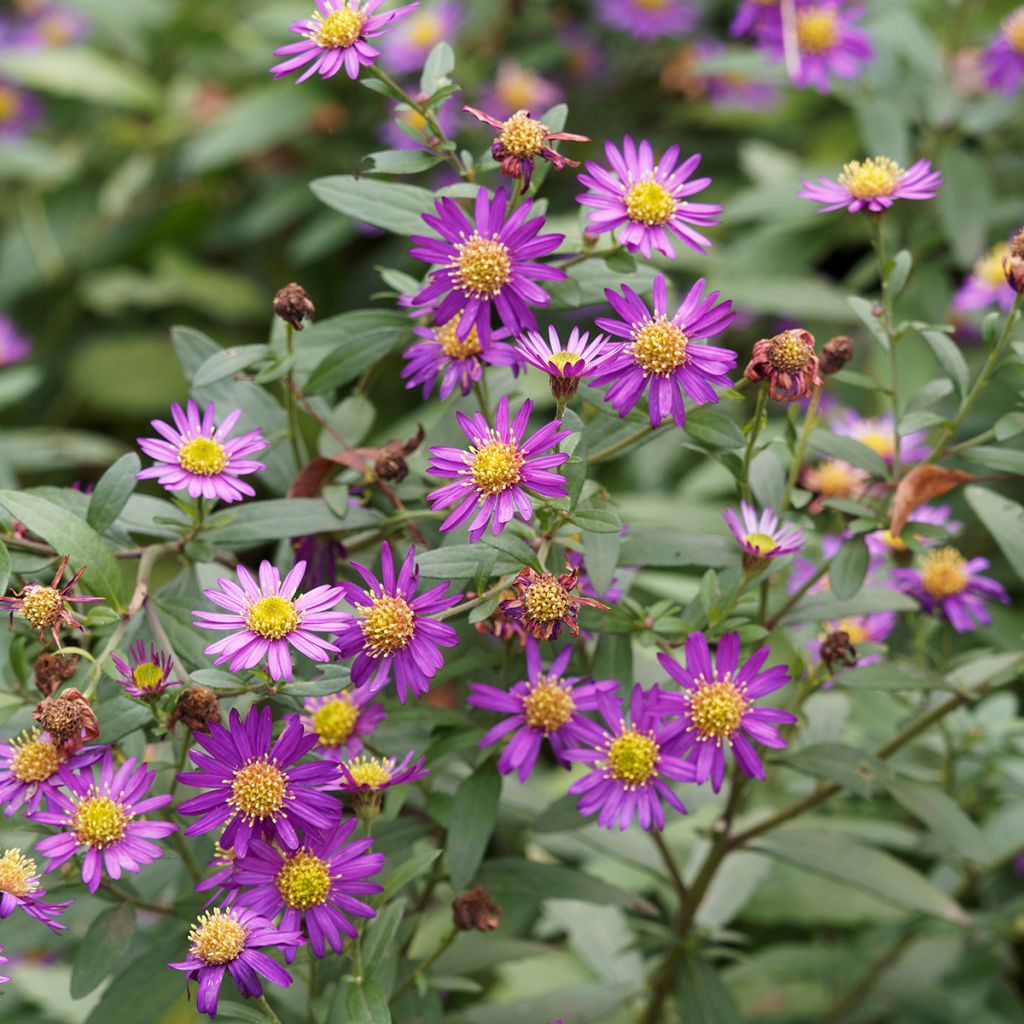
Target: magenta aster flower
(566, 365)
(335, 36)
(518, 88)
(486, 264)
(1003, 60)
(873, 185)
(142, 676)
(647, 198)
(413, 38)
(544, 706)
(946, 583)
(492, 477)
(752, 16)
(314, 888)
(102, 820)
(882, 543)
(266, 619)
(986, 285)
(392, 627)
(660, 353)
(19, 889)
(630, 764)
(762, 536)
(50, 25)
(716, 707)
(340, 720)
(648, 19)
(29, 769)
(20, 111)
(3, 960)
(230, 941)
(372, 775)
(877, 434)
(14, 346)
(255, 785)
(199, 456)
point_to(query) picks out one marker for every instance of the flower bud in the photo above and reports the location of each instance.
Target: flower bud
(835, 354)
(474, 911)
(197, 707)
(293, 305)
(391, 464)
(53, 669)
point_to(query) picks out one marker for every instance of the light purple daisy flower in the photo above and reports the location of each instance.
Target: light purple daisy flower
(1003, 60)
(882, 543)
(29, 769)
(372, 775)
(716, 708)
(340, 720)
(946, 583)
(19, 889)
(648, 19)
(492, 477)
(335, 36)
(255, 785)
(489, 263)
(660, 354)
(517, 87)
(266, 619)
(647, 199)
(198, 456)
(229, 941)
(763, 536)
(876, 432)
(102, 820)
(565, 364)
(873, 185)
(314, 888)
(51, 25)
(392, 627)
(14, 346)
(544, 706)
(415, 36)
(142, 676)
(752, 16)
(20, 111)
(986, 285)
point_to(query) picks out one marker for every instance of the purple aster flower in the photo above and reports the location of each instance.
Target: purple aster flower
(946, 583)
(222, 881)
(145, 677)
(1003, 60)
(3, 960)
(716, 707)
(544, 706)
(763, 536)
(370, 776)
(19, 888)
(629, 764)
(340, 720)
(199, 456)
(14, 346)
(29, 769)
(647, 198)
(873, 185)
(415, 36)
(566, 365)
(726, 90)
(265, 619)
(315, 888)
(102, 820)
(255, 785)
(660, 354)
(648, 19)
(518, 88)
(51, 26)
(20, 111)
(877, 434)
(402, 114)
(492, 476)
(484, 264)
(752, 16)
(986, 285)
(335, 36)
(230, 940)
(882, 543)
(861, 629)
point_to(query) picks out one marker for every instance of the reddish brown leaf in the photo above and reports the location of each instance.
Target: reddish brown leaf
(920, 485)
(311, 479)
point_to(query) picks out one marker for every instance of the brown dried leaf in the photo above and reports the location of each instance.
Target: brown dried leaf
(920, 485)
(310, 480)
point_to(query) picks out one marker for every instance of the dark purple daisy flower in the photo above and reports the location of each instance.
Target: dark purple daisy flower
(229, 941)
(29, 769)
(492, 476)
(145, 677)
(660, 355)
(873, 185)
(986, 285)
(19, 888)
(254, 785)
(630, 764)
(647, 198)
(314, 888)
(763, 536)
(340, 720)
(198, 456)
(484, 264)
(371, 775)
(14, 346)
(716, 706)
(1003, 60)
(392, 627)
(566, 365)
(102, 819)
(544, 706)
(752, 15)
(648, 19)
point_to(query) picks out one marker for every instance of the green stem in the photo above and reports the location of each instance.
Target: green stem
(261, 1001)
(448, 613)
(855, 996)
(314, 985)
(424, 965)
(670, 865)
(755, 428)
(483, 397)
(795, 597)
(609, 453)
(878, 237)
(294, 437)
(122, 894)
(800, 452)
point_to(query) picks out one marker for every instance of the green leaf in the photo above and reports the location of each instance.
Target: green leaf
(513, 882)
(901, 264)
(654, 546)
(864, 311)
(950, 358)
(473, 817)
(468, 561)
(855, 770)
(112, 492)
(597, 520)
(1005, 460)
(768, 479)
(228, 362)
(848, 569)
(398, 878)
(256, 522)
(101, 950)
(1004, 520)
(5, 568)
(701, 995)
(366, 1004)
(67, 534)
(380, 934)
(849, 450)
(439, 65)
(867, 600)
(356, 341)
(713, 428)
(384, 204)
(892, 675)
(401, 161)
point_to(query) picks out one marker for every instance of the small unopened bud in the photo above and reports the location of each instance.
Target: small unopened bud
(835, 354)
(197, 707)
(837, 649)
(68, 719)
(51, 670)
(877, 311)
(293, 305)
(474, 911)
(391, 464)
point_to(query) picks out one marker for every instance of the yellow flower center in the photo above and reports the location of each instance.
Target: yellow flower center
(944, 573)
(340, 29)
(1013, 30)
(817, 29)
(452, 345)
(334, 720)
(34, 760)
(788, 353)
(659, 346)
(100, 821)
(717, 708)
(651, 5)
(650, 203)
(370, 771)
(633, 757)
(424, 28)
(482, 267)
(42, 606)
(17, 873)
(218, 937)
(388, 625)
(304, 881)
(548, 705)
(763, 543)
(867, 179)
(147, 676)
(272, 617)
(495, 466)
(203, 456)
(546, 600)
(856, 631)
(522, 135)
(990, 268)
(258, 789)
(835, 479)
(892, 541)
(8, 104)
(562, 359)
(517, 87)
(879, 442)
(55, 31)
(414, 118)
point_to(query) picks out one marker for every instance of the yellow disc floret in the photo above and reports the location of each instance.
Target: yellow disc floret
(99, 821)
(258, 789)
(649, 202)
(495, 466)
(892, 541)
(547, 705)
(855, 630)
(203, 456)
(817, 29)
(482, 267)
(334, 720)
(1013, 30)
(452, 345)
(8, 104)
(388, 625)
(42, 606)
(340, 28)
(35, 759)
(633, 757)
(218, 937)
(148, 675)
(18, 874)
(272, 617)
(716, 708)
(990, 268)
(867, 179)
(522, 135)
(374, 772)
(659, 346)
(304, 881)
(835, 480)
(944, 573)
(424, 28)
(546, 600)
(562, 359)
(788, 353)
(880, 442)
(762, 543)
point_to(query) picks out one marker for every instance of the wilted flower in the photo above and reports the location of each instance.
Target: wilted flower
(29, 766)
(566, 365)
(14, 346)
(1004, 58)
(340, 720)
(1013, 263)
(788, 362)
(19, 887)
(51, 670)
(873, 185)
(835, 354)
(986, 285)
(882, 542)
(475, 911)
(293, 305)
(763, 536)
(145, 677)
(857, 629)
(544, 601)
(68, 719)
(197, 707)
(648, 19)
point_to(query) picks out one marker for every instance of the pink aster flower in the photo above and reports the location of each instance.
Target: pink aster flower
(489, 263)
(266, 620)
(50, 25)
(877, 434)
(30, 769)
(647, 199)
(873, 185)
(492, 477)
(413, 38)
(335, 36)
(14, 346)
(198, 456)
(648, 19)
(142, 676)
(763, 536)
(20, 111)
(340, 721)
(101, 818)
(986, 285)
(565, 364)
(1003, 60)
(752, 16)
(392, 629)
(716, 706)
(19, 890)
(660, 353)
(517, 87)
